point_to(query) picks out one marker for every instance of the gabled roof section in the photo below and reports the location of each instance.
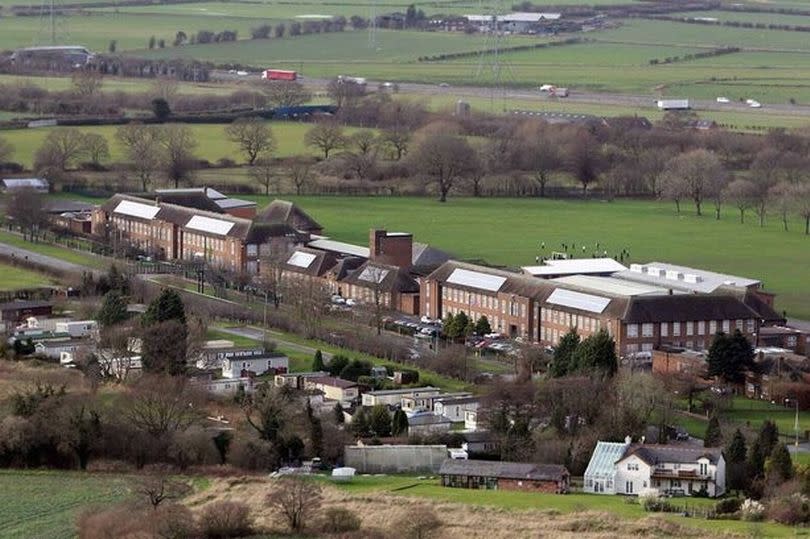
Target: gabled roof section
(604, 458)
(283, 211)
(383, 277)
(654, 454)
(262, 232)
(309, 262)
(426, 258)
(686, 307)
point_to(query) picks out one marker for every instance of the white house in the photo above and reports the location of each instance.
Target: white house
(234, 367)
(77, 328)
(229, 386)
(625, 468)
(454, 408)
(395, 396)
(333, 388)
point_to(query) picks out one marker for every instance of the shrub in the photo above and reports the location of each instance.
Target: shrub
(418, 523)
(117, 521)
(752, 510)
(340, 520)
(790, 510)
(652, 502)
(172, 521)
(225, 519)
(728, 506)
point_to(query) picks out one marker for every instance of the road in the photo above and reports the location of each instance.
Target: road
(44, 260)
(525, 94)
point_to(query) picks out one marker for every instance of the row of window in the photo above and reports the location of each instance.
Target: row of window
(700, 328)
(483, 301)
(586, 323)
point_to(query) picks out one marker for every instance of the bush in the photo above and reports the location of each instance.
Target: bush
(173, 520)
(752, 510)
(728, 506)
(790, 510)
(652, 502)
(117, 521)
(340, 520)
(225, 519)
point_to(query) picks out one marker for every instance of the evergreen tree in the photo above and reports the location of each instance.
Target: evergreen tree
(596, 353)
(761, 449)
(355, 369)
(736, 474)
(730, 357)
(713, 436)
(338, 411)
(337, 364)
(117, 281)
(360, 423)
(380, 421)
(779, 466)
(317, 362)
(448, 325)
(482, 326)
(315, 431)
(113, 309)
(399, 423)
(167, 306)
(561, 363)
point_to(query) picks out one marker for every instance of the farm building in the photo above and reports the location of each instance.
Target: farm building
(395, 458)
(39, 185)
(493, 475)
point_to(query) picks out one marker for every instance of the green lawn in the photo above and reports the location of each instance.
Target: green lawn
(16, 278)
(509, 232)
(62, 253)
(36, 504)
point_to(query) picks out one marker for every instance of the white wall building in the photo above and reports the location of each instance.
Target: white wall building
(233, 367)
(395, 396)
(454, 408)
(625, 468)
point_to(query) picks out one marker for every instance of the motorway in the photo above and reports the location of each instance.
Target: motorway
(528, 95)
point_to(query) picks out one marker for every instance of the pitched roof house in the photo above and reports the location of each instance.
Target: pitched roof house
(625, 468)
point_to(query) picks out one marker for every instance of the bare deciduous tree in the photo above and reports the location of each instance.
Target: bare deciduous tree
(178, 152)
(538, 152)
(96, 148)
(253, 136)
(741, 194)
(86, 84)
(780, 198)
(300, 173)
(61, 149)
(697, 173)
(283, 93)
(160, 406)
(158, 487)
(398, 139)
(444, 159)
(262, 172)
(297, 499)
(326, 135)
(142, 146)
(25, 207)
(801, 197)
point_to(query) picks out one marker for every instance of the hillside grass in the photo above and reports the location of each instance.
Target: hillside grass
(16, 278)
(212, 143)
(55, 251)
(44, 504)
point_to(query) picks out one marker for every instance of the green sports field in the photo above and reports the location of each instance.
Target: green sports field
(509, 232)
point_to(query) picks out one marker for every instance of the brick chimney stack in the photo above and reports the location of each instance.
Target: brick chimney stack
(391, 248)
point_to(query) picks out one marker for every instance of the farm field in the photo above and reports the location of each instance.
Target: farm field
(212, 143)
(737, 16)
(112, 84)
(39, 504)
(509, 231)
(15, 278)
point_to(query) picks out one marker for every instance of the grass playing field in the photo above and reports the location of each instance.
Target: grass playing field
(14, 278)
(509, 232)
(39, 504)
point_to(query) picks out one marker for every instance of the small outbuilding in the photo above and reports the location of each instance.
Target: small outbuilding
(9, 185)
(493, 475)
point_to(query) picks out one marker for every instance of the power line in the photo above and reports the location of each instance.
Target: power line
(492, 68)
(372, 25)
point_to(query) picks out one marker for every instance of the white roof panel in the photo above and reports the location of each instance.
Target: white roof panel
(612, 286)
(209, 225)
(339, 247)
(475, 279)
(135, 209)
(574, 266)
(373, 274)
(578, 300)
(301, 259)
(692, 279)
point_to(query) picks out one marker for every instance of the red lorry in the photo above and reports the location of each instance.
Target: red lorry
(279, 74)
